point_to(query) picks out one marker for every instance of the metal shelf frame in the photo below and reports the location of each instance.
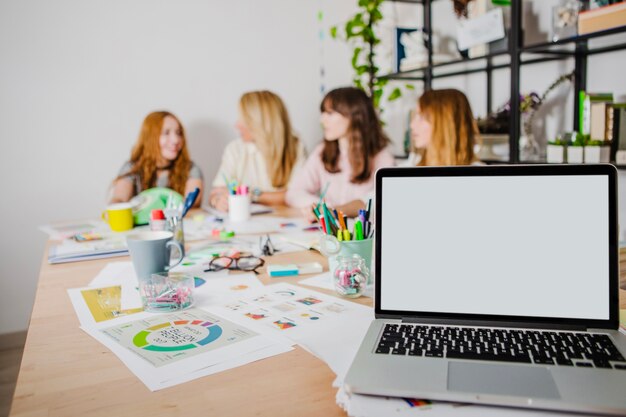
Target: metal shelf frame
(576, 47)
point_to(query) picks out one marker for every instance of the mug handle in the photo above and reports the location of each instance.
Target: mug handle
(181, 252)
(105, 216)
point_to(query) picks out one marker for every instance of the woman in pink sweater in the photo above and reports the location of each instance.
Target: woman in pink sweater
(341, 169)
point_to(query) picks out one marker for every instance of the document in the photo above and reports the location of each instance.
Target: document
(165, 349)
(329, 327)
(95, 305)
(72, 251)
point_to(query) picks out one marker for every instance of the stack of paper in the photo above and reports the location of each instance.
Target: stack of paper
(168, 349)
(72, 251)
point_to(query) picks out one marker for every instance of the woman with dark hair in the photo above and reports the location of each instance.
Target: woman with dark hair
(341, 169)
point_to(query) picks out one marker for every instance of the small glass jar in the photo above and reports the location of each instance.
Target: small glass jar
(350, 276)
(166, 291)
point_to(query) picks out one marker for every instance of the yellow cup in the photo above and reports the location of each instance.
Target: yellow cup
(119, 217)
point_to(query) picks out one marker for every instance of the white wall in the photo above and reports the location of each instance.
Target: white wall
(77, 78)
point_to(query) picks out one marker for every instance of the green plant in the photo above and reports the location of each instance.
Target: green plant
(557, 142)
(595, 142)
(360, 31)
(581, 140)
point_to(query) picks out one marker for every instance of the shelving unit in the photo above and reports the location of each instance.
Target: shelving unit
(518, 55)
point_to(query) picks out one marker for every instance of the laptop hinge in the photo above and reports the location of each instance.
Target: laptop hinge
(486, 323)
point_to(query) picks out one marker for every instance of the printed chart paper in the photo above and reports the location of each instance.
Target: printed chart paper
(329, 327)
(162, 340)
(95, 305)
(166, 349)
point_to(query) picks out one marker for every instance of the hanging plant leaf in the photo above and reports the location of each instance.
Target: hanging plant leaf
(395, 94)
(355, 56)
(360, 31)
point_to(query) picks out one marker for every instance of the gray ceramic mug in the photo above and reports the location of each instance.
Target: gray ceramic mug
(150, 252)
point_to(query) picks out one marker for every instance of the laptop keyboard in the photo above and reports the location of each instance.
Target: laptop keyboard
(502, 345)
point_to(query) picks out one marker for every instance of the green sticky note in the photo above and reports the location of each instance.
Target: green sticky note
(622, 318)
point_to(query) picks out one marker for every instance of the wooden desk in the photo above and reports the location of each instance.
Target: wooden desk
(65, 372)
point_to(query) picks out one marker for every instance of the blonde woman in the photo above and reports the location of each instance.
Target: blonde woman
(158, 159)
(443, 130)
(266, 154)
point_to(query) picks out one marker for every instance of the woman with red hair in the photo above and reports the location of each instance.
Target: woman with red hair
(158, 159)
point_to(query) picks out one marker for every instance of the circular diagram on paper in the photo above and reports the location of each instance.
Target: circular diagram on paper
(177, 335)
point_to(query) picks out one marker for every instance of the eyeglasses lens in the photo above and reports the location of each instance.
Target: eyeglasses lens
(220, 263)
(249, 264)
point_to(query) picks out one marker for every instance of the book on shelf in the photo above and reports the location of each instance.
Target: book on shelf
(602, 18)
(586, 109)
(618, 133)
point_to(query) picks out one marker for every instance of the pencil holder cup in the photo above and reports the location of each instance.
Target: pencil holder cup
(350, 276)
(238, 208)
(166, 291)
(332, 248)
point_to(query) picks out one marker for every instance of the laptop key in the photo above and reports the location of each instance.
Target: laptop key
(543, 360)
(602, 364)
(398, 351)
(564, 361)
(619, 366)
(584, 364)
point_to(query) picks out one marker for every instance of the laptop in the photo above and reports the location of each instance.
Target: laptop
(496, 285)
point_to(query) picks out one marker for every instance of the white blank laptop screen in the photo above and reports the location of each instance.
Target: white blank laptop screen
(509, 245)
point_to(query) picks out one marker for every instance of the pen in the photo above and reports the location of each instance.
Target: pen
(323, 193)
(189, 200)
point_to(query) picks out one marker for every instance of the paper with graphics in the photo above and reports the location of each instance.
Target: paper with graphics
(95, 305)
(166, 349)
(329, 327)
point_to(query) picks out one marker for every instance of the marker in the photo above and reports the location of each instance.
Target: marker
(358, 230)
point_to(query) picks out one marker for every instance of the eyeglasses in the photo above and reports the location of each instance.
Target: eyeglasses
(267, 247)
(243, 263)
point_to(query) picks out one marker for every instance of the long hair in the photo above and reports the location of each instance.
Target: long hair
(365, 133)
(265, 115)
(147, 152)
(454, 129)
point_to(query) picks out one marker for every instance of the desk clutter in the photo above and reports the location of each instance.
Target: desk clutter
(196, 320)
(234, 320)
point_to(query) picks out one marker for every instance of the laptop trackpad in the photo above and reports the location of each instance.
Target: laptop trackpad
(484, 378)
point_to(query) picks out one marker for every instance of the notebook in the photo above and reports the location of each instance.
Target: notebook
(496, 285)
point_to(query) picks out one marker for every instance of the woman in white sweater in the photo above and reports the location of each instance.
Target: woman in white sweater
(265, 156)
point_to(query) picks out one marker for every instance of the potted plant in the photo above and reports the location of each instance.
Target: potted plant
(596, 151)
(576, 149)
(556, 151)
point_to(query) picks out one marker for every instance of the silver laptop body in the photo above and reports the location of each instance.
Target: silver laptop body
(487, 278)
